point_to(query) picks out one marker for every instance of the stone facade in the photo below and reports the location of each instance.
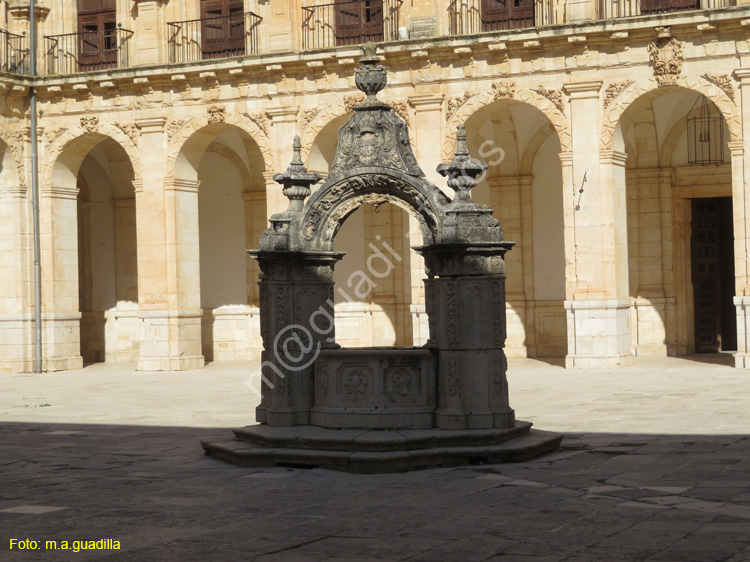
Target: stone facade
(155, 176)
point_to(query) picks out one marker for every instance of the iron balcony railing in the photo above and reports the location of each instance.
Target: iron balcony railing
(14, 53)
(87, 51)
(608, 9)
(476, 16)
(234, 35)
(350, 23)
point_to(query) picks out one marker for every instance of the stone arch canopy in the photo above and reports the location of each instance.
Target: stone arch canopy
(340, 197)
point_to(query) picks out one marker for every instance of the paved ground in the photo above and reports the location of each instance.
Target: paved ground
(656, 467)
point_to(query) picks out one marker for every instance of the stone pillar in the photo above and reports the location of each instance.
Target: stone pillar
(296, 310)
(168, 261)
(429, 126)
(740, 154)
(598, 302)
(283, 130)
(61, 315)
(465, 283)
(147, 45)
(428, 149)
(16, 278)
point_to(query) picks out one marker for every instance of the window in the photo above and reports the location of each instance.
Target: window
(507, 14)
(97, 29)
(223, 28)
(359, 22)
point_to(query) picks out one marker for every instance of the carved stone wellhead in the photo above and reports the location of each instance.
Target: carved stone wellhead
(457, 381)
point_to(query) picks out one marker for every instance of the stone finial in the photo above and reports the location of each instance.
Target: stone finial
(297, 180)
(463, 170)
(371, 77)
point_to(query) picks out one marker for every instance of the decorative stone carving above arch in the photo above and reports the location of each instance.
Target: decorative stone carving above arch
(57, 139)
(180, 130)
(15, 140)
(501, 91)
(651, 88)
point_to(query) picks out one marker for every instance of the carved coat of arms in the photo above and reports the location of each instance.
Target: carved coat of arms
(666, 57)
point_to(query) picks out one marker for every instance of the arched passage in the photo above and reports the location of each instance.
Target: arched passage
(680, 218)
(96, 171)
(227, 167)
(524, 187)
(385, 311)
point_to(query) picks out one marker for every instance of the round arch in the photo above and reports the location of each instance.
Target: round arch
(329, 207)
(65, 148)
(643, 91)
(189, 138)
(530, 97)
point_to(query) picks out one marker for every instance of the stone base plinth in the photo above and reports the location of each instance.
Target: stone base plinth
(170, 340)
(373, 451)
(598, 334)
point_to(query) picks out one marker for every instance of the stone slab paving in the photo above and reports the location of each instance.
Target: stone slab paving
(655, 466)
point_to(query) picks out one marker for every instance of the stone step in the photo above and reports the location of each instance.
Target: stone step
(308, 437)
(525, 447)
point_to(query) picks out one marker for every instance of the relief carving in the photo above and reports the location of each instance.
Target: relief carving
(354, 383)
(216, 114)
(353, 99)
(723, 81)
(555, 96)
(455, 103)
(307, 115)
(90, 123)
(401, 108)
(666, 56)
(261, 120)
(503, 90)
(614, 90)
(454, 377)
(130, 129)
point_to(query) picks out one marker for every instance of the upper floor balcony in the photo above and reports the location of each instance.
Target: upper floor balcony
(227, 30)
(233, 35)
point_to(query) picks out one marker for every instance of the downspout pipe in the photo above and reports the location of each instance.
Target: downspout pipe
(35, 195)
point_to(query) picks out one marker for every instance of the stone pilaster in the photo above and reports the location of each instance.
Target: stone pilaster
(16, 278)
(61, 317)
(168, 261)
(741, 209)
(598, 303)
(429, 126)
(148, 46)
(283, 129)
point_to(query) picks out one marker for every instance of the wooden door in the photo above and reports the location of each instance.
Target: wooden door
(359, 22)
(713, 275)
(507, 14)
(222, 28)
(97, 34)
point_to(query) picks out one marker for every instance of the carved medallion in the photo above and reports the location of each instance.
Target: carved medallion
(216, 114)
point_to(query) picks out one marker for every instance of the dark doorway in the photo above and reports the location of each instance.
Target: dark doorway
(359, 21)
(223, 28)
(712, 247)
(97, 39)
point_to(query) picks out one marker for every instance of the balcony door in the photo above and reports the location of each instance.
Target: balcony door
(359, 22)
(507, 14)
(97, 34)
(222, 28)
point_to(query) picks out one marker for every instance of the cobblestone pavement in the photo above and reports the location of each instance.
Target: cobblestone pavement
(655, 466)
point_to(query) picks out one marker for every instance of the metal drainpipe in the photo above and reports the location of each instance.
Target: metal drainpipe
(35, 195)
